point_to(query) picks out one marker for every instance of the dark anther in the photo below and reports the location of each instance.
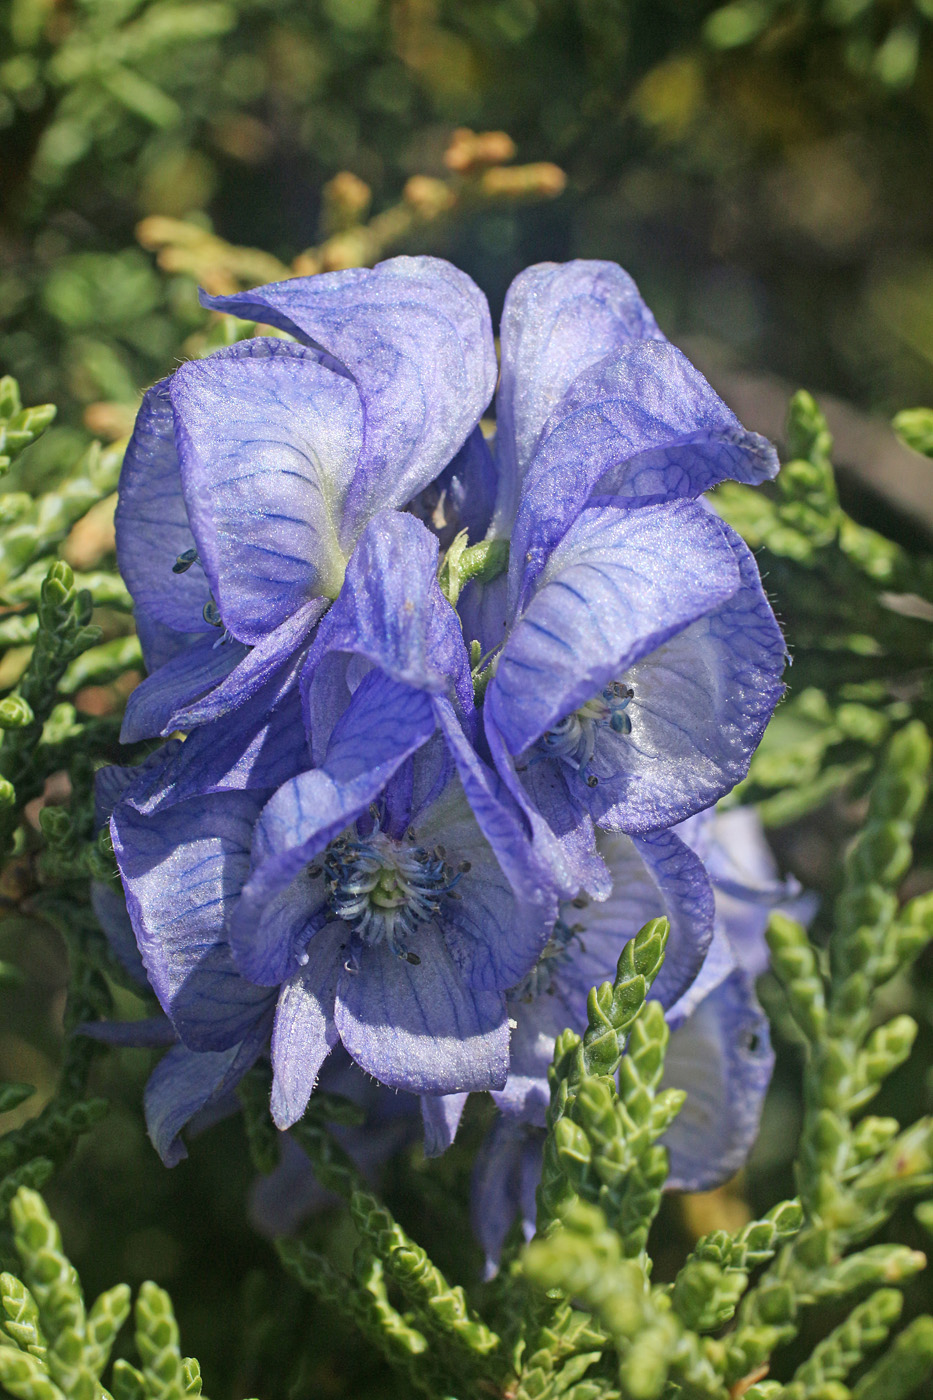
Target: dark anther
(211, 614)
(592, 780)
(184, 561)
(465, 866)
(412, 958)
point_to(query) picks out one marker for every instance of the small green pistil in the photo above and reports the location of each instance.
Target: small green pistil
(387, 892)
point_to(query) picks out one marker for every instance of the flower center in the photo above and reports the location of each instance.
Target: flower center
(573, 739)
(384, 889)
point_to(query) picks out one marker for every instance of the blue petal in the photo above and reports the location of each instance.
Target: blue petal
(643, 425)
(257, 667)
(182, 871)
(268, 938)
(421, 1028)
(652, 876)
(562, 829)
(148, 1033)
(268, 442)
(720, 962)
(185, 1081)
(538, 1023)
(483, 612)
(152, 522)
(505, 1178)
(733, 847)
(722, 1056)
(304, 1032)
(686, 900)
(702, 702)
(111, 784)
(161, 643)
(494, 931)
(415, 335)
(441, 1114)
(384, 723)
(620, 585)
(110, 907)
(392, 612)
(558, 321)
(182, 681)
(499, 818)
(260, 745)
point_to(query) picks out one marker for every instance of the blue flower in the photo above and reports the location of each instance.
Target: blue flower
(652, 876)
(633, 659)
(385, 898)
(251, 474)
(635, 685)
(344, 849)
(719, 1050)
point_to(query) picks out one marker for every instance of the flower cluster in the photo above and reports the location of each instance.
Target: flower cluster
(456, 703)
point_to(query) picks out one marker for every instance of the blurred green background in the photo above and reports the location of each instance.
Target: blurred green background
(763, 169)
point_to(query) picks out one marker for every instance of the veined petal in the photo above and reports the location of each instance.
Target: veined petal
(558, 320)
(152, 522)
(185, 1081)
(745, 876)
(392, 612)
(464, 494)
(656, 875)
(562, 829)
(722, 1056)
(526, 1094)
(153, 706)
(494, 933)
(161, 643)
(259, 745)
(268, 443)
(422, 1028)
(644, 424)
(499, 818)
(182, 870)
(620, 584)
(304, 1032)
(258, 665)
(702, 702)
(415, 335)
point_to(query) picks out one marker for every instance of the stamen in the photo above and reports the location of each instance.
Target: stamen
(211, 614)
(383, 888)
(184, 561)
(573, 739)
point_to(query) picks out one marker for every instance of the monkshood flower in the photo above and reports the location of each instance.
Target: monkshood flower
(385, 898)
(719, 1050)
(631, 656)
(251, 474)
